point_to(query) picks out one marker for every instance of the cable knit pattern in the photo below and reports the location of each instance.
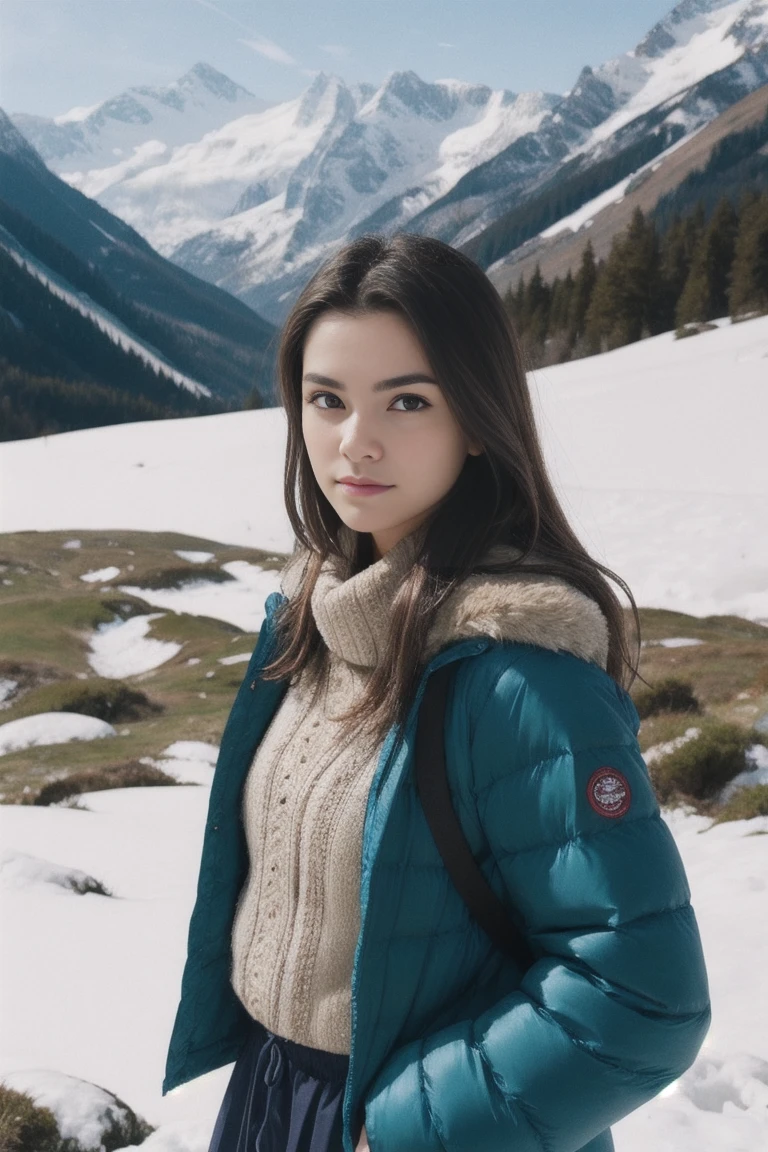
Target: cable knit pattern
(304, 800)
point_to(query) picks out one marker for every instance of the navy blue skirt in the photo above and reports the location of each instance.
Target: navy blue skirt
(282, 1097)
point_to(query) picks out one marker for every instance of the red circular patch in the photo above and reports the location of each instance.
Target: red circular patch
(608, 792)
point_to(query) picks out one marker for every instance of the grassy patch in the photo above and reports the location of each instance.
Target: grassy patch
(47, 615)
(732, 659)
(745, 804)
(25, 1126)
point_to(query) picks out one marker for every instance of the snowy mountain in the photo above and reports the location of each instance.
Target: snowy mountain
(98, 146)
(694, 64)
(704, 57)
(254, 204)
(271, 184)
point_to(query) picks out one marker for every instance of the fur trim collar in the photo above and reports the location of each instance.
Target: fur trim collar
(351, 610)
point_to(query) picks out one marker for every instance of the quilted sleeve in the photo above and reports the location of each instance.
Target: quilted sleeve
(616, 1005)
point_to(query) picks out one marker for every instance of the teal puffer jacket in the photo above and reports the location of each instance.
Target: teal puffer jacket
(453, 1048)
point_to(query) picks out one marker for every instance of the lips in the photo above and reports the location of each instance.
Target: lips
(363, 483)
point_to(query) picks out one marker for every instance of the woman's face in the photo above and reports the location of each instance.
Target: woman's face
(404, 435)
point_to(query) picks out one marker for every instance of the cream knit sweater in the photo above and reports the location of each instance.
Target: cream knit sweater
(305, 796)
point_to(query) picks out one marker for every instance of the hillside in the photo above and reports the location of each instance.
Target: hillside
(559, 247)
(200, 337)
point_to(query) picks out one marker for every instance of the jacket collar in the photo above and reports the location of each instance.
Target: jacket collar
(353, 611)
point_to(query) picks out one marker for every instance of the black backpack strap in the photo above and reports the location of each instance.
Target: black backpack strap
(432, 786)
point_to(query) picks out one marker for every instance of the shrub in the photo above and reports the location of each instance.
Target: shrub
(115, 703)
(703, 765)
(745, 804)
(179, 577)
(668, 695)
(29, 1127)
(24, 1127)
(134, 774)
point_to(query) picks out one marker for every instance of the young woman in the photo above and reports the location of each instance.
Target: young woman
(329, 955)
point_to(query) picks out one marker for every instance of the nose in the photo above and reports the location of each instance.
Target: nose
(357, 442)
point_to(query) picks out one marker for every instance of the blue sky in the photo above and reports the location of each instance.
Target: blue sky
(56, 54)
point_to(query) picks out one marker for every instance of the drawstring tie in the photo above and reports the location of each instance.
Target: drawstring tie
(276, 1062)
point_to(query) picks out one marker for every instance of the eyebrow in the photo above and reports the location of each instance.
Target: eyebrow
(381, 386)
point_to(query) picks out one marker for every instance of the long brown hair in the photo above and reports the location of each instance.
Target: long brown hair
(502, 496)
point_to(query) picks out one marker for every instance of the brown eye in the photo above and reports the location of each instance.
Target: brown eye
(405, 396)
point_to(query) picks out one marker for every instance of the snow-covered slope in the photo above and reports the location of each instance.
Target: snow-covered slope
(658, 484)
(697, 39)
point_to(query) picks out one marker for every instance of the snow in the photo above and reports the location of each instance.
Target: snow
(672, 642)
(239, 601)
(704, 46)
(122, 648)
(72, 544)
(195, 557)
(116, 969)
(7, 688)
(100, 575)
(20, 870)
(195, 750)
(75, 115)
(756, 773)
(160, 476)
(185, 110)
(51, 728)
(188, 761)
(659, 751)
(654, 464)
(582, 217)
(240, 658)
(84, 1112)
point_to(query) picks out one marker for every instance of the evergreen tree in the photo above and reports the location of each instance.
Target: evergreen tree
(562, 292)
(583, 287)
(721, 242)
(749, 276)
(704, 296)
(625, 300)
(677, 248)
(534, 321)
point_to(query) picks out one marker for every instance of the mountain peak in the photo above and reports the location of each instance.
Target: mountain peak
(215, 82)
(685, 20)
(326, 97)
(405, 91)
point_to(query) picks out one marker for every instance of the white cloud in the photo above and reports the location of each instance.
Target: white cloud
(337, 50)
(269, 49)
(445, 44)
